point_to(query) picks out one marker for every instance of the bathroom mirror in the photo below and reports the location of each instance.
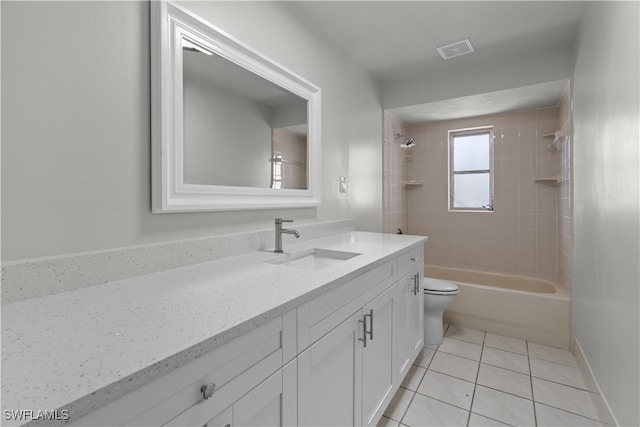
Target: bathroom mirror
(231, 129)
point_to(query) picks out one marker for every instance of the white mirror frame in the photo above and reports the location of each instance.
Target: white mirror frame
(169, 191)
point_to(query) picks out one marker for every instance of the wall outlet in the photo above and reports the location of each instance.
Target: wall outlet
(343, 184)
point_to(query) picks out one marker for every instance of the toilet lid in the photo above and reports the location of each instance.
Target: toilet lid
(439, 286)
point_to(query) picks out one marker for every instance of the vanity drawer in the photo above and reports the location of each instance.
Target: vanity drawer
(410, 259)
(235, 368)
(325, 312)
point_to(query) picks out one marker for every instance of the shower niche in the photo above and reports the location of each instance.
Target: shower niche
(231, 128)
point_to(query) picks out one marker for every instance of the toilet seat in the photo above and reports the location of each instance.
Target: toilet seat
(439, 287)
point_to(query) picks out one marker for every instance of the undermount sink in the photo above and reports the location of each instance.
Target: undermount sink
(313, 259)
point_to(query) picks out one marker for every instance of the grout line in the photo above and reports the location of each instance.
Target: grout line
(533, 398)
(475, 385)
(563, 384)
(569, 412)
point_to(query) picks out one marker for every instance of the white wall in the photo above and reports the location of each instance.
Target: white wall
(606, 289)
(76, 125)
(513, 71)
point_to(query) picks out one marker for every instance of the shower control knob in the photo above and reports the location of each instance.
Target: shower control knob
(207, 390)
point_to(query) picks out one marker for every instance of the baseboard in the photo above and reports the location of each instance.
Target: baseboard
(599, 401)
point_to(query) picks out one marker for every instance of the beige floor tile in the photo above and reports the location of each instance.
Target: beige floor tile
(547, 416)
(552, 354)
(386, 422)
(557, 372)
(461, 348)
(448, 389)
(476, 420)
(506, 359)
(504, 407)
(424, 357)
(465, 334)
(425, 411)
(505, 380)
(501, 342)
(399, 404)
(456, 366)
(564, 397)
(413, 378)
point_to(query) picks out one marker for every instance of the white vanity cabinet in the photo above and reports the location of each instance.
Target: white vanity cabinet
(346, 378)
(377, 356)
(335, 360)
(411, 335)
(256, 370)
(270, 404)
(363, 338)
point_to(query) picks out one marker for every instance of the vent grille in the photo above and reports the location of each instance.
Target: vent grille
(459, 48)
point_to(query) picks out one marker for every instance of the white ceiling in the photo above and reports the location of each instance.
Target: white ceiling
(396, 40)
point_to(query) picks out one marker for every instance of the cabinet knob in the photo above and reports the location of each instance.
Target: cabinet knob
(207, 390)
(413, 259)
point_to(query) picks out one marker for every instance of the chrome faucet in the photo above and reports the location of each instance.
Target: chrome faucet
(280, 231)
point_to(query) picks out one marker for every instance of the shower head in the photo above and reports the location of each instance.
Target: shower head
(408, 143)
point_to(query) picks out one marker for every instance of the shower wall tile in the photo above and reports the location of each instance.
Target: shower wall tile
(396, 202)
(564, 196)
(521, 235)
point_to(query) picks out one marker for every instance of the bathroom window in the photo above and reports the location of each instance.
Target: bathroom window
(471, 169)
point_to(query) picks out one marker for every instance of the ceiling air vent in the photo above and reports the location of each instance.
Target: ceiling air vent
(455, 49)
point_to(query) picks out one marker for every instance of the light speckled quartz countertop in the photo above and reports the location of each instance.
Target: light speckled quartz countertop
(81, 349)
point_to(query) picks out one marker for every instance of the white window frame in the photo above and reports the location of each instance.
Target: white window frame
(463, 132)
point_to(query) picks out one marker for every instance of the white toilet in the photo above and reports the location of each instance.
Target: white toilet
(438, 296)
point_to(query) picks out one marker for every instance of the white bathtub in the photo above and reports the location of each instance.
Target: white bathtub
(521, 307)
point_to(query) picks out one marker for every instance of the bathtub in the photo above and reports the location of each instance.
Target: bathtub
(520, 307)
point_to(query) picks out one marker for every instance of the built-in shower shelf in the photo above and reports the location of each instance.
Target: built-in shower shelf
(548, 180)
(411, 184)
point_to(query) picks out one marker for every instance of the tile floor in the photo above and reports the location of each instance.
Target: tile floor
(481, 379)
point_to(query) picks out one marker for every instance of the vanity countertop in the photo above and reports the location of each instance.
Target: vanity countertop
(81, 349)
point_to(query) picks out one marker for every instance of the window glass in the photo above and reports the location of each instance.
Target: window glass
(472, 190)
(471, 152)
(471, 169)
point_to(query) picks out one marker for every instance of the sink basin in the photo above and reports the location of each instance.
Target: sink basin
(313, 259)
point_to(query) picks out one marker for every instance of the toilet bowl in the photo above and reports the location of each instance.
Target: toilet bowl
(438, 296)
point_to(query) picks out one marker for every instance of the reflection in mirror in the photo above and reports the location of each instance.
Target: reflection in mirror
(239, 129)
(289, 158)
(231, 129)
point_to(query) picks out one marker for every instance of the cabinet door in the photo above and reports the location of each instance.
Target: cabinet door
(416, 315)
(378, 370)
(270, 404)
(225, 419)
(401, 326)
(329, 378)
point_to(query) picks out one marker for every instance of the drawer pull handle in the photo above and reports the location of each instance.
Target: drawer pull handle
(207, 390)
(364, 324)
(364, 335)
